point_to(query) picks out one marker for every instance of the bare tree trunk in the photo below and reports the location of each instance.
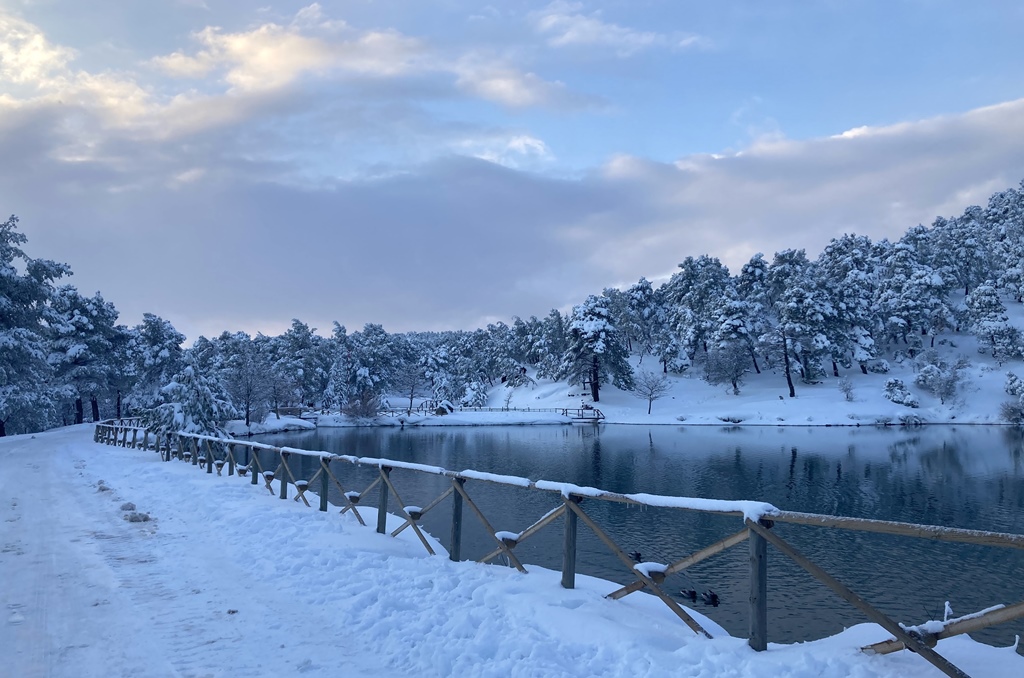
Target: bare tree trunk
(753, 356)
(835, 369)
(118, 403)
(595, 387)
(3, 428)
(79, 410)
(95, 408)
(785, 358)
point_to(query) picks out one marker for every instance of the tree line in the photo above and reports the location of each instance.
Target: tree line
(855, 306)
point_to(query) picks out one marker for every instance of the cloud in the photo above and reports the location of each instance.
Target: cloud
(26, 56)
(507, 149)
(451, 242)
(513, 88)
(566, 25)
(273, 56)
(298, 169)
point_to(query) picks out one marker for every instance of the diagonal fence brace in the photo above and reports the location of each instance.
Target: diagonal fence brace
(936, 659)
(648, 582)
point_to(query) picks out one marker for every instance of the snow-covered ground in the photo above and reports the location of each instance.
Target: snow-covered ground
(509, 418)
(227, 580)
(764, 398)
(272, 424)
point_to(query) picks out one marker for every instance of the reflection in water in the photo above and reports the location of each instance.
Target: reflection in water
(968, 477)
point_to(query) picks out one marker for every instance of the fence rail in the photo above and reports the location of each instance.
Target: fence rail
(758, 520)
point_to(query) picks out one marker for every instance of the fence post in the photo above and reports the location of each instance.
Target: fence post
(284, 475)
(231, 459)
(758, 639)
(569, 545)
(252, 465)
(455, 544)
(209, 456)
(382, 507)
(195, 451)
(325, 486)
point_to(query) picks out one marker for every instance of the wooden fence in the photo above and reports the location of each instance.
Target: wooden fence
(757, 523)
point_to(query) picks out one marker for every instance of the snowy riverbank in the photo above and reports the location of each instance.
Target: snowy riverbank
(222, 563)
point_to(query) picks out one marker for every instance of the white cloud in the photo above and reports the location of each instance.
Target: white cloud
(509, 241)
(272, 56)
(566, 25)
(510, 150)
(510, 87)
(26, 56)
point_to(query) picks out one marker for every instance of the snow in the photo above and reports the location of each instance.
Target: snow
(763, 399)
(650, 568)
(228, 580)
(272, 424)
(506, 536)
(470, 474)
(469, 418)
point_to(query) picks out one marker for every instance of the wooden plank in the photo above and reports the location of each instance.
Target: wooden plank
(444, 495)
(255, 468)
(686, 562)
(325, 481)
(545, 520)
(284, 466)
(569, 544)
(487, 526)
(408, 518)
(382, 504)
(933, 657)
(955, 627)
(628, 562)
(935, 532)
(349, 506)
(758, 629)
(300, 490)
(455, 540)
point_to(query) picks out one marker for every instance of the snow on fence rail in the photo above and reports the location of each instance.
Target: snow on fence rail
(209, 453)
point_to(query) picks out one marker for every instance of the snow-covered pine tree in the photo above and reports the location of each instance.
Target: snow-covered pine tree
(911, 296)
(987, 318)
(155, 348)
(596, 351)
(732, 346)
(551, 344)
(961, 252)
(83, 338)
(191, 403)
(845, 272)
(694, 292)
(28, 396)
(246, 375)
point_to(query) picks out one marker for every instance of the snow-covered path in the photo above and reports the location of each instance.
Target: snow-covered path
(85, 588)
(227, 580)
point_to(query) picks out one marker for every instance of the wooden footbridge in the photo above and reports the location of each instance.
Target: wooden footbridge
(761, 525)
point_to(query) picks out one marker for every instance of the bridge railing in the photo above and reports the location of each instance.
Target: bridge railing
(757, 523)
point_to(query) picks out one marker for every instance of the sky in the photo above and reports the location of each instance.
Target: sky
(442, 165)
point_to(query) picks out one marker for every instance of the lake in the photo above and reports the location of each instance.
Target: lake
(970, 477)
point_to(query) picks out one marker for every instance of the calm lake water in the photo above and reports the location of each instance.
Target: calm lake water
(971, 477)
